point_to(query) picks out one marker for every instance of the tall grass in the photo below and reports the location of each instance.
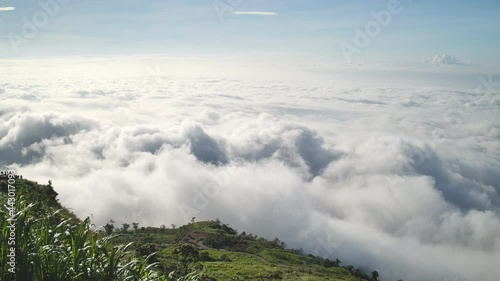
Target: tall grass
(50, 247)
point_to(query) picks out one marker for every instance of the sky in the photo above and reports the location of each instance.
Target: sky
(293, 29)
(280, 118)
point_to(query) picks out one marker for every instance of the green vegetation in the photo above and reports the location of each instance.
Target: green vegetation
(53, 244)
(218, 252)
(49, 243)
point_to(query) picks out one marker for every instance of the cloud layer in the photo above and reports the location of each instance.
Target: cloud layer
(404, 181)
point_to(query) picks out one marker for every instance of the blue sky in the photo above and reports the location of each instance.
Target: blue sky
(468, 30)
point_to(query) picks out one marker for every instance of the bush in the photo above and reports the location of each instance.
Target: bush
(276, 275)
(224, 257)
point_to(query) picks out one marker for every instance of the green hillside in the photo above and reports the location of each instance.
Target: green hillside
(220, 253)
(53, 244)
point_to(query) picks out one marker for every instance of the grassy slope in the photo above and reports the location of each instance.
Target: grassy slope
(237, 257)
(52, 244)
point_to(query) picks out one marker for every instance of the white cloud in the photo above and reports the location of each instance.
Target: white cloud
(446, 60)
(255, 13)
(3, 9)
(380, 177)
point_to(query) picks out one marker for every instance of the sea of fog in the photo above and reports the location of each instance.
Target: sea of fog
(401, 179)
